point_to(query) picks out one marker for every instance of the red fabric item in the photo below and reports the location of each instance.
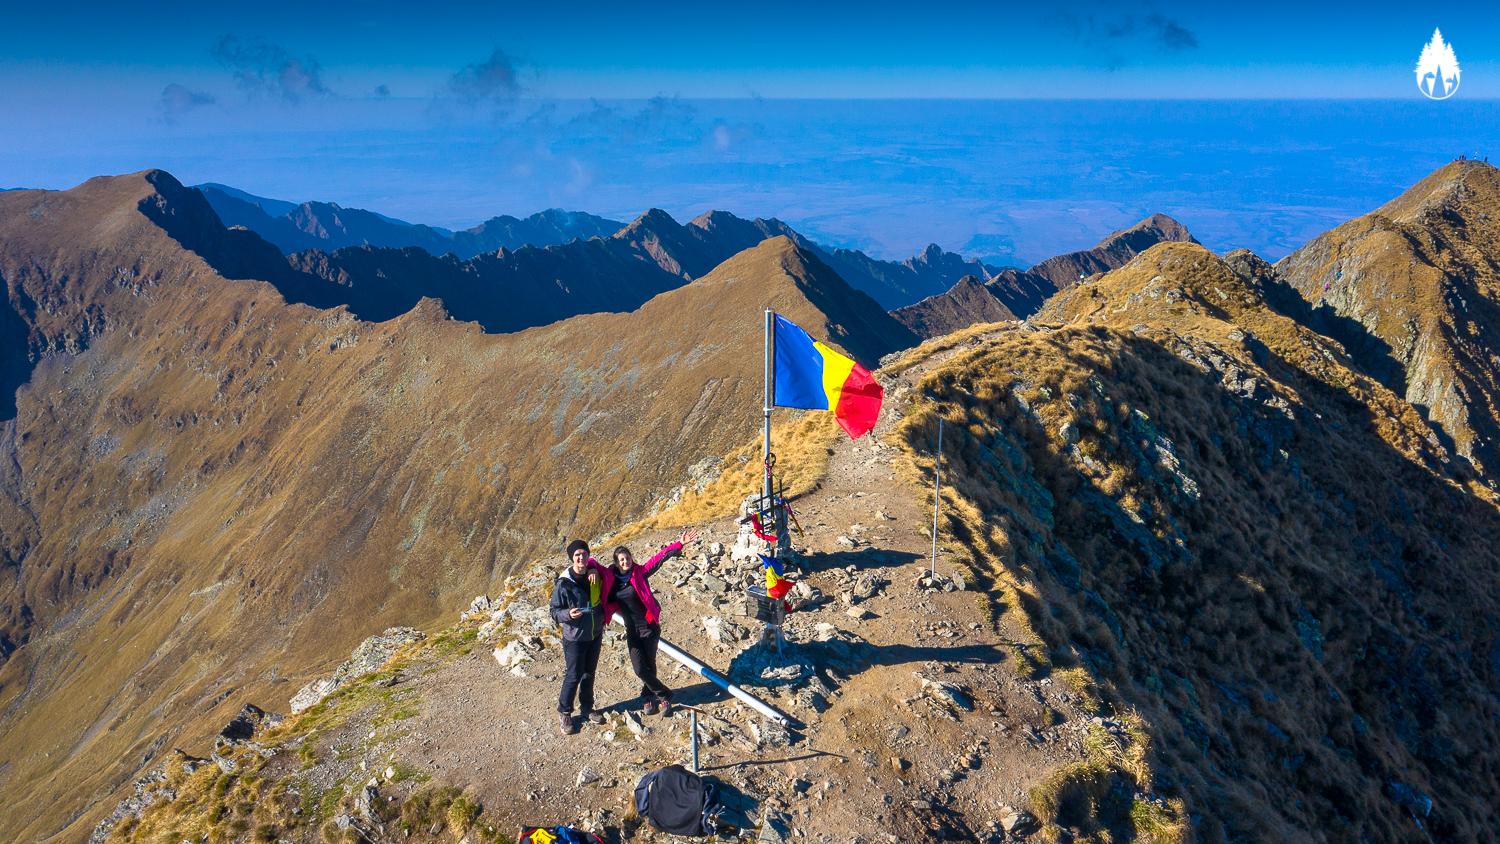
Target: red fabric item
(859, 402)
(760, 531)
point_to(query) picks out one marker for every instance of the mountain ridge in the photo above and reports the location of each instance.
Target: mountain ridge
(280, 475)
(1021, 293)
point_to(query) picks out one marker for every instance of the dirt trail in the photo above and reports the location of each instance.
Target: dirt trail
(923, 726)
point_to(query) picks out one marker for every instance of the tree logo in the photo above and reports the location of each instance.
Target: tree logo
(1437, 69)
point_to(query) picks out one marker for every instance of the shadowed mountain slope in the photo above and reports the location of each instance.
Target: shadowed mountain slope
(1022, 292)
(1214, 520)
(530, 286)
(683, 250)
(1415, 284)
(207, 491)
(967, 303)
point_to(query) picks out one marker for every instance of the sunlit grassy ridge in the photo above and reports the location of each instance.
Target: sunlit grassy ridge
(1201, 514)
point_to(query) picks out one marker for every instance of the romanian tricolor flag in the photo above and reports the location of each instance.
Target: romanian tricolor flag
(810, 375)
(776, 583)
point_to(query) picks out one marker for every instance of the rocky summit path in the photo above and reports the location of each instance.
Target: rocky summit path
(915, 726)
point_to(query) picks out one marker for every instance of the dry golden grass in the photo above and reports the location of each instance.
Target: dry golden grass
(802, 447)
(255, 485)
(1236, 523)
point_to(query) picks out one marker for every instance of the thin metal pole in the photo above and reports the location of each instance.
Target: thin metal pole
(937, 489)
(692, 664)
(770, 351)
(694, 739)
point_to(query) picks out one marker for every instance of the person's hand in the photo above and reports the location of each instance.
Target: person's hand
(593, 578)
(575, 613)
(687, 536)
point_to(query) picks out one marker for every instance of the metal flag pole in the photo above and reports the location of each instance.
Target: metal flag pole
(937, 488)
(770, 350)
(696, 666)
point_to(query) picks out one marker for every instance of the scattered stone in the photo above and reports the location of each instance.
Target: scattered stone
(1068, 432)
(775, 827)
(364, 802)
(899, 732)
(1019, 822)
(633, 724)
(866, 587)
(513, 657)
(857, 613)
(481, 605)
(371, 654)
(900, 764)
(946, 692)
(587, 776)
(713, 627)
(716, 549)
(847, 542)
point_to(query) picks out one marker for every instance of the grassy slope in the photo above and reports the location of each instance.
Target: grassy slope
(1280, 576)
(229, 492)
(1416, 282)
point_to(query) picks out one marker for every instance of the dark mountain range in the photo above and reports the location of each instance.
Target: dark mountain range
(1022, 292)
(514, 289)
(966, 303)
(327, 226)
(687, 251)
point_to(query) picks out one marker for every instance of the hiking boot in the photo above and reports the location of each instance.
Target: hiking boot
(568, 726)
(596, 716)
(649, 707)
(666, 706)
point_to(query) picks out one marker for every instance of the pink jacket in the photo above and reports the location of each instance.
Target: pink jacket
(639, 581)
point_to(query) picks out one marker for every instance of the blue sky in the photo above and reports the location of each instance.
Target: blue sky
(770, 49)
(999, 131)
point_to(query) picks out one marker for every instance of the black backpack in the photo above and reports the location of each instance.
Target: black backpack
(677, 801)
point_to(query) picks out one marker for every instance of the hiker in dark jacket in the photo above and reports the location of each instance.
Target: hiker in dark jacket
(632, 598)
(578, 607)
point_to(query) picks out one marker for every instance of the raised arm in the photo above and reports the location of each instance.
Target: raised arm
(673, 549)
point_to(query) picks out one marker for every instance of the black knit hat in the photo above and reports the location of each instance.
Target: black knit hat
(576, 545)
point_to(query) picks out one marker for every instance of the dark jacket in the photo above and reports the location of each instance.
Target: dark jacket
(568, 593)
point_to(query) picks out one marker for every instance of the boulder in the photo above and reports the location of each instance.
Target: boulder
(1019, 822)
(481, 605)
(513, 657)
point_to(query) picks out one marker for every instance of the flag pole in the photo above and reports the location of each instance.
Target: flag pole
(770, 350)
(937, 491)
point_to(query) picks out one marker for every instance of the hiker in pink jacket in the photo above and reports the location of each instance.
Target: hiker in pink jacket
(631, 597)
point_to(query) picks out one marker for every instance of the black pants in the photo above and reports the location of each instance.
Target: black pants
(582, 660)
(642, 645)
